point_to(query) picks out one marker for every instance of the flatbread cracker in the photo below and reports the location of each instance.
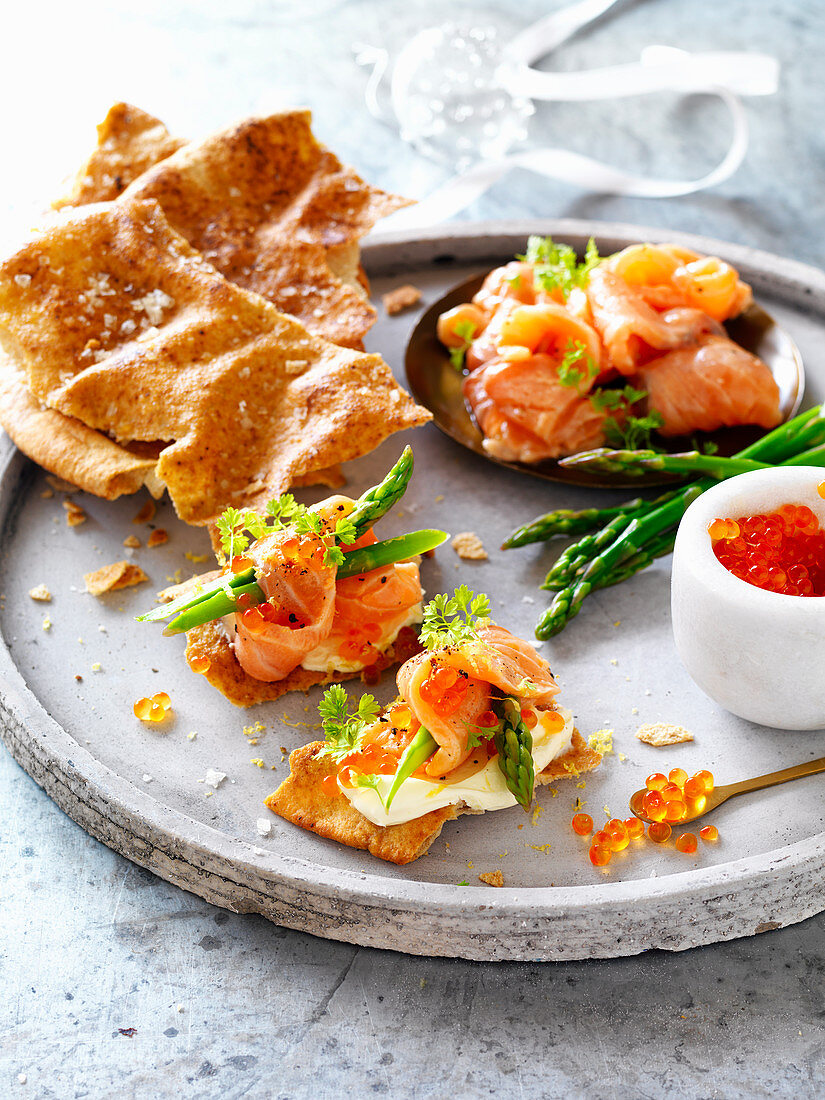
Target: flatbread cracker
(210, 641)
(128, 142)
(68, 448)
(119, 323)
(301, 800)
(277, 213)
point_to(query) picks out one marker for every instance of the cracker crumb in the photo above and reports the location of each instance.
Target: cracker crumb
(256, 760)
(537, 812)
(403, 297)
(132, 541)
(492, 878)
(47, 624)
(180, 1008)
(75, 515)
(47, 494)
(541, 847)
(121, 574)
(96, 667)
(146, 514)
(157, 538)
(214, 778)
(263, 826)
(40, 592)
(196, 559)
(660, 734)
(469, 546)
(191, 736)
(439, 498)
(613, 661)
(147, 778)
(601, 741)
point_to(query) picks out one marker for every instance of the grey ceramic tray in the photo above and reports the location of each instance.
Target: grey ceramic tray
(137, 787)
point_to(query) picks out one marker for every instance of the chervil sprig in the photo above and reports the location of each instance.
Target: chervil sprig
(451, 620)
(557, 266)
(233, 525)
(576, 365)
(281, 511)
(343, 731)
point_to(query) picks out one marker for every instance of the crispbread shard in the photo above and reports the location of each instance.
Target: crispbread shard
(128, 142)
(277, 213)
(116, 321)
(305, 800)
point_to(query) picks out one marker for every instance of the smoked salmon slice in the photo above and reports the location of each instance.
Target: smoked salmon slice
(715, 384)
(496, 659)
(631, 330)
(527, 415)
(302, 589)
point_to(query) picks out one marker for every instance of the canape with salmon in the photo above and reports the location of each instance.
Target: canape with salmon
(304, 596)
(476, 726)
(563, 356)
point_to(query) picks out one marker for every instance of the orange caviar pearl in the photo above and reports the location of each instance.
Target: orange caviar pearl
(678, 776)
(707, 778)
(553, 721)
(637, 800)
(329, 784)
(694, 788)
(635, 828)
(253, 621)
(239, 563)
(601, 839)
(697, 805)
(718, 530)
(157, 713)
(821, 489)
(658, 832)
(673, 793)
(675, 812)
(782, 551)
(599, 855)
(200, 664)
(401, 716)
(710, 832)
(142, 709)
(487, 719)
(162, 700)
(686, 843)
(617, 833)
(654, 806)
(582, 824)
(656, 782)
(529, 718)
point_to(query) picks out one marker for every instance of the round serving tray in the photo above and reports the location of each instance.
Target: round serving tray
(67, 693)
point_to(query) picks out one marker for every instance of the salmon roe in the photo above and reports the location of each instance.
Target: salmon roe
(709, 833)
(200, 664)
(782, 551)
(599, 855)
(635, 828)
(686, 843)
(582, 824)
(444, 690)
(659, 832)
(154, 709)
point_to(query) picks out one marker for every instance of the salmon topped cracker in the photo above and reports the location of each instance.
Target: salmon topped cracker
(476, 727)
(305, 595)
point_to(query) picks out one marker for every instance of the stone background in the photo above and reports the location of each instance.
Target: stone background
(231, 1006)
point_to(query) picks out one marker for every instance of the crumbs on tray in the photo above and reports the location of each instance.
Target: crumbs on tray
(492, 878)
(660, 734)
(469, 546)
(109, 578)
(403, 297)
(40, 592)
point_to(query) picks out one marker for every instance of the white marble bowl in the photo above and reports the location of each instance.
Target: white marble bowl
(759, 654)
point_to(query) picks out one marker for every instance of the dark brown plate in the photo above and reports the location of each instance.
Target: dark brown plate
(436, 384)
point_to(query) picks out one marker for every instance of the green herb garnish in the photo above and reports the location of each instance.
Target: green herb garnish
(466, 331)
(343, 731)
(450, 620)
(634, 432)
(576, 365)
(238, 528)
(557, 266)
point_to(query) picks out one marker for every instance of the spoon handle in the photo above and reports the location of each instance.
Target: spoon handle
(759, 782)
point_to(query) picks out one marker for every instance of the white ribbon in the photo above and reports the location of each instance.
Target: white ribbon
(725, 74)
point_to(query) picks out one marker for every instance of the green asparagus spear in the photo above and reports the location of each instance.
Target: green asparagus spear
(219, 603)
(515, 751)
(189, 599)
(419, 750)
(378, 500)
(637, 463)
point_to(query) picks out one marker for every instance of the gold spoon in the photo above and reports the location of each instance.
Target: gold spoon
(721, 794)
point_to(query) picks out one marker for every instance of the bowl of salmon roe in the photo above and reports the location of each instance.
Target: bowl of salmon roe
(748, 595)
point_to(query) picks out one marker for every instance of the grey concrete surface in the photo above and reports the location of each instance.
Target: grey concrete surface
(90, 944)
